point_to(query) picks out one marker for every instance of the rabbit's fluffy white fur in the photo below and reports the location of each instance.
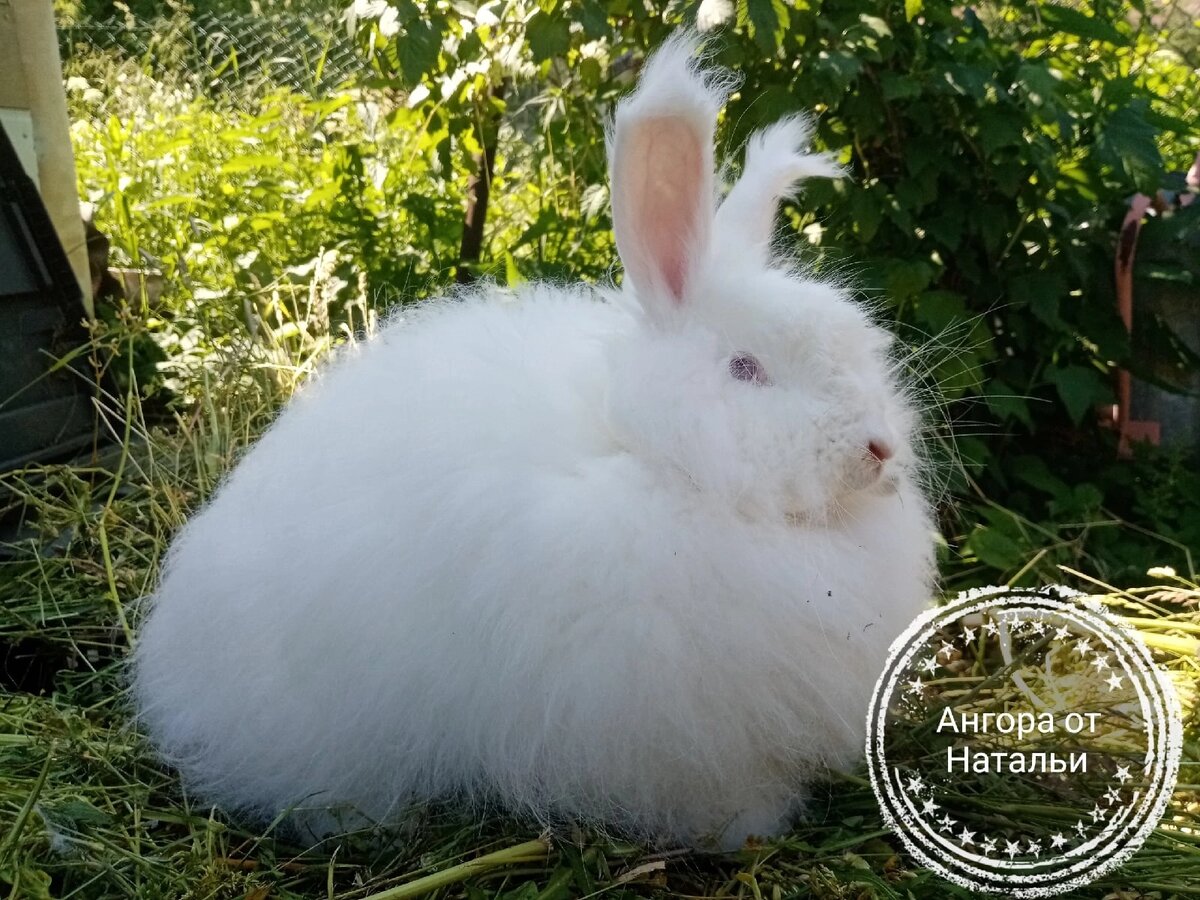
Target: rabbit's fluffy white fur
(573, 552)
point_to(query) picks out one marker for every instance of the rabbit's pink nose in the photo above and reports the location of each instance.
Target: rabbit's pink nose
(879, 451)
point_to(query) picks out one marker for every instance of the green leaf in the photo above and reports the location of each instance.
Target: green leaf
(971, 81)
(915, 194)
(407, 9)
(768, 21)
(992, 224)
(417, 49)
(1042, 291)
(512, 275)
(898, 87)
(1034, 472)
(1035, 80)
(1005, 403)
(905, 279)
(594, 19)
(1080, 503)
(957, 375)
(995, 548)
(947, 228)
(922, 153)
(1088, 496)
(937, 310)
(1131, 144)
(912, 9)
(322, 195)
(171, 200)
(591, 73)
(876, 25)
(865, 214)
(249, 163)
(1079, 388)
(1000, 126)
(76, 814)
(1009, 175)
(1072, 21)
(1164, 122)
(549, 36)
(839, 67)
(973, 453)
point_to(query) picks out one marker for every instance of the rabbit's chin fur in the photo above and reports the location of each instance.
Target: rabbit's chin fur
(542, 551)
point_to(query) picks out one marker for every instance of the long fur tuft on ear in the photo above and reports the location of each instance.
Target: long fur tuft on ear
(775, 163)
(661, 160)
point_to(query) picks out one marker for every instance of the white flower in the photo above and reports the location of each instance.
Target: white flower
(486, 14)
(389, 22)
(369, 9)
(451, 83)
(417, 95)
(713, 14)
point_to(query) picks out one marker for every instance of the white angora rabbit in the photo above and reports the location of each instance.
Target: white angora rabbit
(627, 557)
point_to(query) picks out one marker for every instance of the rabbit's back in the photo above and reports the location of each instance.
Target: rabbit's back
(297, 601)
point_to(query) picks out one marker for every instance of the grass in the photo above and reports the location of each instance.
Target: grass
(86, 811)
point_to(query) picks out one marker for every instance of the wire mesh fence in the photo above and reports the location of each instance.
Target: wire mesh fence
(230, 56)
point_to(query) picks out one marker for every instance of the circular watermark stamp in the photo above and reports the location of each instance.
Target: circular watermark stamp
(1022, 741)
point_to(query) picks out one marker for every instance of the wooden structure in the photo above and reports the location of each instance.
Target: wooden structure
(46, 408)
(33, 111)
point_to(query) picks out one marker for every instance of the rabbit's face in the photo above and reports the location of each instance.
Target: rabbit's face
(820, 421)
(776, 397)
(750, 381)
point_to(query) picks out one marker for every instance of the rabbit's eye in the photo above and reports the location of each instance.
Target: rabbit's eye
(745, 367)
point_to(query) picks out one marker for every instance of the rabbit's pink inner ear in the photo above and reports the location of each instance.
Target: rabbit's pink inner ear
(665, 182)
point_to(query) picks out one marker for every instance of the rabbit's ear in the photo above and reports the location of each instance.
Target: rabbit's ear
(661, 162)
(775, 162)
